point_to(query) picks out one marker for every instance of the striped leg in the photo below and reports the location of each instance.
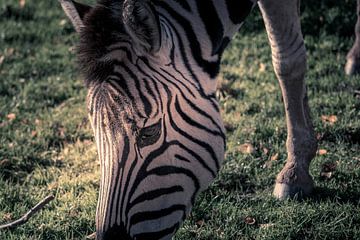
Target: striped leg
(353, 58)
(282, 23)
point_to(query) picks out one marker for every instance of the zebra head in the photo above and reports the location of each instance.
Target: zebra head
(156, 122)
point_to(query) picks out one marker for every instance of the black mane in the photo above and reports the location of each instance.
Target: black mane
(102, 27)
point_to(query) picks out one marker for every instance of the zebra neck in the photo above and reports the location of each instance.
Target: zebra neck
(200, 31)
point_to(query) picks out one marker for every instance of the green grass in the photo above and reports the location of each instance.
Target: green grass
(48, 147)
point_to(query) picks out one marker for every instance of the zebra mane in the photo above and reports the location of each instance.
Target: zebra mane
(103, 27)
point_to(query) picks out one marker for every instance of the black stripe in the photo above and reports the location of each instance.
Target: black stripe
(239, 9)
(184, 4)
(181, 158)
(187, 65)
(145, 61)
(145, 101)
(191, 122)
(117, 182)
(167, 170)
(197, 109)
(203, 144)
(152, 94)
(150, 195)
(212, 68)
(152, 215)
(157, 235)
(212, 22)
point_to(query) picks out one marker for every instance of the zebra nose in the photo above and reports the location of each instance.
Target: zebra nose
(116, 232)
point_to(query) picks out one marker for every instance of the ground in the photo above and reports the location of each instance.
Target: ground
(46, 144)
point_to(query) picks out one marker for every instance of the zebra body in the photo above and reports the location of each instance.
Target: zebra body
(150, 68)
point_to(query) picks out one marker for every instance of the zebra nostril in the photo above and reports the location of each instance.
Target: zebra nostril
(116, 233)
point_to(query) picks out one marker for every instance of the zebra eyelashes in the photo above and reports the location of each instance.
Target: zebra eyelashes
(149, 135)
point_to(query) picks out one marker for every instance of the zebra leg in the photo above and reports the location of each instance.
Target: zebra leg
(282, 23)
(352, 66)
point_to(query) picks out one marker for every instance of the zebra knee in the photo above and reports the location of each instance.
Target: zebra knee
(290, 65)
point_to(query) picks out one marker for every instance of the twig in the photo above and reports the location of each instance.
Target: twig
(29, 214)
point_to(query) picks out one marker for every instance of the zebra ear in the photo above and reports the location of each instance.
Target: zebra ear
(75, 12)
(142, 24)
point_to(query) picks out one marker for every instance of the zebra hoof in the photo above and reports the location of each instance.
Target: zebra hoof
(295, 191)
(352, 67)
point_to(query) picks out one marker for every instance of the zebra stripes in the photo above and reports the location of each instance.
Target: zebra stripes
(150, 68)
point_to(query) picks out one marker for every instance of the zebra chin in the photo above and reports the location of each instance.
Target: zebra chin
(119, 233)
(149, 229)
(156, 213)
(113, 233)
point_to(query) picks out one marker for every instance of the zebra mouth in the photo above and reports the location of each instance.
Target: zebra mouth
(114, 233)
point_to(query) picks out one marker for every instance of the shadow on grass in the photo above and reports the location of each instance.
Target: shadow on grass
(18, 162)
(351, 136)
(322, 194)
(17, 170)
(234, 182)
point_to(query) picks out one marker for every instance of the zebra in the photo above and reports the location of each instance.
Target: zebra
(352, 66)
(150, 67)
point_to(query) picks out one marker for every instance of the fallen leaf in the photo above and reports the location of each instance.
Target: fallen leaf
(269, 163)
(250, 220)
(41, 226)
(73, 213)
(22, 3)
(266, 225)
(262, 67)
(2, 58)
(274, 157)
(52, 186)
(7, 217)
(62, 22)
(326, 175)
(10, 52)
(200, 223)
(327, 170)
(33, 134)
(11, 116)
(322, 152)
(329, 119)
(246, 148)
(61, 131)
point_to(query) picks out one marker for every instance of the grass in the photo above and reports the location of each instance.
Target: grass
(46, 144)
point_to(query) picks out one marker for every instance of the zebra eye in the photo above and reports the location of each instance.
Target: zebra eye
(149, 135)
